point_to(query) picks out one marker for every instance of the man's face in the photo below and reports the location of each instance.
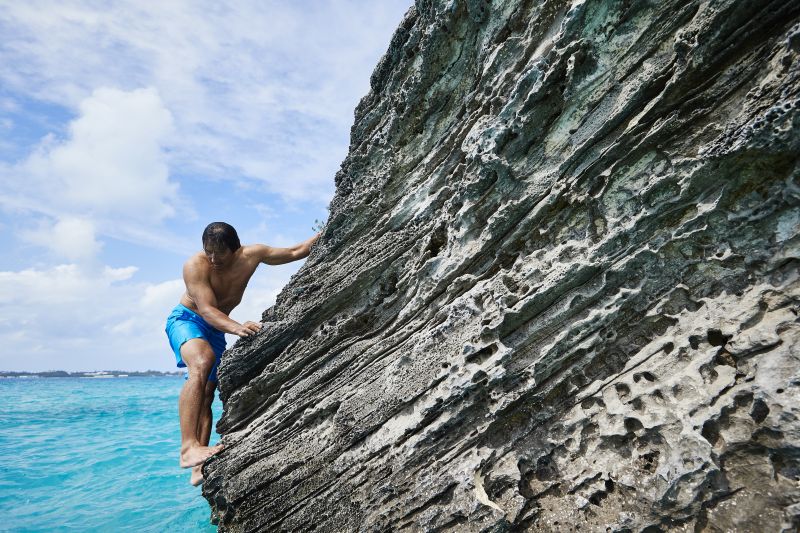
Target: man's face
(218, 256)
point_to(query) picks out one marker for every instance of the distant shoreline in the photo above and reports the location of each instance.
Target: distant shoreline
(98, 374)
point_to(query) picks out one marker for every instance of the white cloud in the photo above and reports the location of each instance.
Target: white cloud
(76, 318)
(162, 295)
(108, 177)
(57, 290)
(64, 317)
(72, 238)
(112, 162)
(259, 90)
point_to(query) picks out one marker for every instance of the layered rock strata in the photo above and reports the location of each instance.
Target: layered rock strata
(558, 288)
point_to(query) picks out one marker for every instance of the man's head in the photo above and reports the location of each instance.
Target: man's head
(220, 242)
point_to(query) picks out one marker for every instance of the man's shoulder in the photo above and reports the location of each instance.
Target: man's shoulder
(197, 261)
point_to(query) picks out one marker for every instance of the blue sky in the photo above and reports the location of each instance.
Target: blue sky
(126, 127)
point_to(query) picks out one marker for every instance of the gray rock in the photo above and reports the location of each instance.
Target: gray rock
(558, 287)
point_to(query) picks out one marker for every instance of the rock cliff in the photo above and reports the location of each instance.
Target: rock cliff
(558, 288)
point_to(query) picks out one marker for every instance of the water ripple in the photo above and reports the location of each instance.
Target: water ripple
(97, 455)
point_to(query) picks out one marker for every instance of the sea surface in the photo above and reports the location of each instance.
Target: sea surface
(82, 454)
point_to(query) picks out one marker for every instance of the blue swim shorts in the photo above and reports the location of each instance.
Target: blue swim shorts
(184, 324)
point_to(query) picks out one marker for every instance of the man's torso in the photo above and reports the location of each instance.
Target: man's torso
(229, 284)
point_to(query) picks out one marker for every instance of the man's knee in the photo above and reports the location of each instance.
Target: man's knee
(199, 357)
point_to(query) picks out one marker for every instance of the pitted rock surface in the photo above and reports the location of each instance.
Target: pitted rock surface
(558, 288)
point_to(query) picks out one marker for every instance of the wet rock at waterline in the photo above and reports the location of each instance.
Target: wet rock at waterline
(558, 286)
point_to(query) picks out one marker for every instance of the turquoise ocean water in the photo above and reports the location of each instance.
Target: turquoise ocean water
(80, 454)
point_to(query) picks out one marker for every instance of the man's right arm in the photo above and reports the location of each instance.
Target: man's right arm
(199, 290)
(279, 256)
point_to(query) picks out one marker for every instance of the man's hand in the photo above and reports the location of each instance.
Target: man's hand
(247, 329)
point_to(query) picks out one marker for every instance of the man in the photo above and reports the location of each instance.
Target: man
(215, 282)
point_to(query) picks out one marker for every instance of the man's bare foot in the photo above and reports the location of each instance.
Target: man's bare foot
(195, 455)
(197, 475)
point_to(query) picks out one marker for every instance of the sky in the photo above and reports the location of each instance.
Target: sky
(126, 127)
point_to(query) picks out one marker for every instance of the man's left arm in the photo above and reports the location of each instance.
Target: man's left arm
(279, 256)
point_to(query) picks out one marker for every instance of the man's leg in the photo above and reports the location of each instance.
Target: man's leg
(204, 423)
(200, 358)
(204, 429)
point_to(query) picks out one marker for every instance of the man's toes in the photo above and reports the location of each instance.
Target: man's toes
(198, 456)
(197, 476)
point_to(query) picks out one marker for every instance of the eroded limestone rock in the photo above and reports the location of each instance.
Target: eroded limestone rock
(558, 286)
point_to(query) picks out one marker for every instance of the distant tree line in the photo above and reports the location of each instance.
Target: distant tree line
(65, 374)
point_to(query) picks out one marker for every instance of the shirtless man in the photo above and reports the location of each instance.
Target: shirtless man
(215, 282)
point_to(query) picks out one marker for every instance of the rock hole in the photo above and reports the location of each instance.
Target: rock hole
(622, 390)
(649, 461)
(743, 399)
(716, 338)
(437, 240)
(480, 377)
(482, 355)
(510, 284)
(643, 375)
(725, 358)
(632, 425)
(545, 469)
(760, 411)
(779, 391)
(694, 341)
(597, 498)
(668, 347)
(709, 374)
(710, 431)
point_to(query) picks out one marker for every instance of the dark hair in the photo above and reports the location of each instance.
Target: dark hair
(219, 234)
